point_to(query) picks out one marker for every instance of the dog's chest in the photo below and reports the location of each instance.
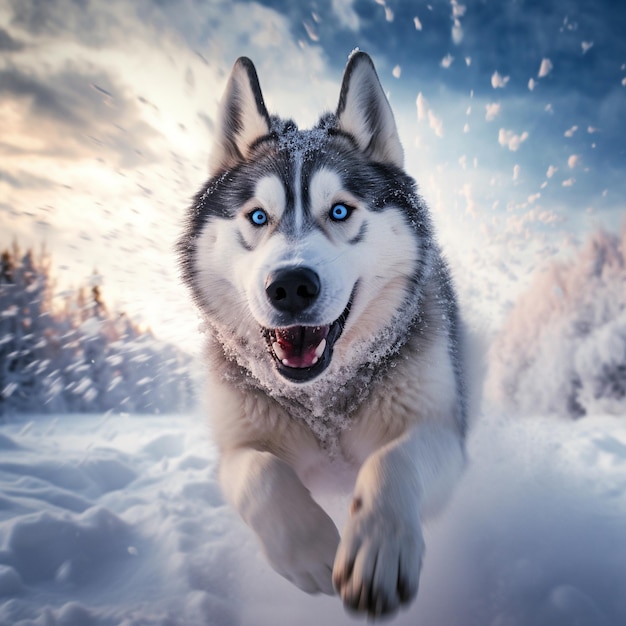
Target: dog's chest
(332, 465)
(323, 471)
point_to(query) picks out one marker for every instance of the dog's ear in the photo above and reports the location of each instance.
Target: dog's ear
(364, 112)
(242, 118)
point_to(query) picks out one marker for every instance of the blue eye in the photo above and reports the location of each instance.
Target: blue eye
(258, 217)
(340, 213)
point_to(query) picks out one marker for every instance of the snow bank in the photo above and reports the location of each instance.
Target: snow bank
(112, 521)
(119, 521)
(563, 347)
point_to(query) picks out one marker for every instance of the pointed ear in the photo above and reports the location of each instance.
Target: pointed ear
(364, 112)
(242, 118)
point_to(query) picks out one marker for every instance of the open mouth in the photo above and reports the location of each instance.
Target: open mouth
(303, 352)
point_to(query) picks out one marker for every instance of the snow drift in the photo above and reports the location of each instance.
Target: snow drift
(562, 349)
(118, 521)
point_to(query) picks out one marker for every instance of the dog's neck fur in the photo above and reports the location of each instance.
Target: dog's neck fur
(327, 404)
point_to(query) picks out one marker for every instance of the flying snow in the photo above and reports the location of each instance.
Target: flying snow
(499, 81)
(492, 111)
(545, 68)
(509, 139)
(446, 62)
(573, 160)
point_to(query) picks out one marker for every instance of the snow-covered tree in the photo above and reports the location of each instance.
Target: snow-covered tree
(80, 357)
(25, 296)
(562, 349)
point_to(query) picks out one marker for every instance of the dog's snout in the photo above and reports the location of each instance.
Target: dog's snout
(292, 289)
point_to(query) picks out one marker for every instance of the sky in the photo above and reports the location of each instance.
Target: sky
(511, 112)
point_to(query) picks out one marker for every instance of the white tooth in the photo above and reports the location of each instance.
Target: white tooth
(315, 360)
(278, 350)
(320, 349)
(286, 362)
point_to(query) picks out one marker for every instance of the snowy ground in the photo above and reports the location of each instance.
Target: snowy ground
(119, 521)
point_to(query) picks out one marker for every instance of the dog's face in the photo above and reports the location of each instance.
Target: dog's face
(305, 243)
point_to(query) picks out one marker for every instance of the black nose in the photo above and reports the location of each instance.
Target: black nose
(292, 289)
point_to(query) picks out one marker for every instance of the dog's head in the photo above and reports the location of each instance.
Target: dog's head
(305, 242)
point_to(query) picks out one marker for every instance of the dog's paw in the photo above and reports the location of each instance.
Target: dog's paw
(302, 548)
(378, 562)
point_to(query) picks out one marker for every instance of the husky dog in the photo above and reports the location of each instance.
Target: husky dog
(334, 340)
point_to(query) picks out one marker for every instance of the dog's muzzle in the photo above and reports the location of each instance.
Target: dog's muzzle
(300, 352)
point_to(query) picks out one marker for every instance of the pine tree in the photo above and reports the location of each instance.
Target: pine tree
(81, 358)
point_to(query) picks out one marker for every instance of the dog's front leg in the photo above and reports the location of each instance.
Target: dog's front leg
(297, 536)
(379, 559)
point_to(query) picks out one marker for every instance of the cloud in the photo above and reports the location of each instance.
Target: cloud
(23, 180)
(498, 81)
(69, 19)
(396, 71)
(344, 11)
(569, 182)
(510, 139)
(63, 115)
(531, 84)
(552, 170)
(418, 24)
(545, 68)
(570, 131)
(9, 43)
(586, 46)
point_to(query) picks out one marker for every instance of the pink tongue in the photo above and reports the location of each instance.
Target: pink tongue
(297, 345)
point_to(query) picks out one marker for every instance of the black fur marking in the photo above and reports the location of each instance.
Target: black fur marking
(243, 243)
(253, 79)
(355, 59)
(360, 236)
(234, 120)
(257, 143)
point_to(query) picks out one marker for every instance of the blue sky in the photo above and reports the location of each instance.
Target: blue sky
(512, 115)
